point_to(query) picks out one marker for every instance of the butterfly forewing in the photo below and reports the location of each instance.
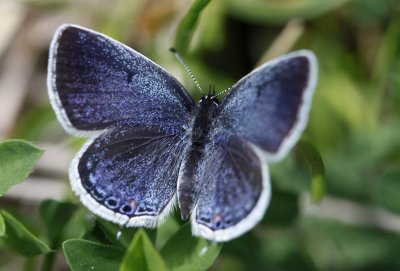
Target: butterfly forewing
(98, 83)
(129, 175)
(269, 107)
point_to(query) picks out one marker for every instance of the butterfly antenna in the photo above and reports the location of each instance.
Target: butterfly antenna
(176, 54)
(222, 92)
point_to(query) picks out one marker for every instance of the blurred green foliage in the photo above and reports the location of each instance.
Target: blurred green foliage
(2, 226)
(354, 129)
(21, 239)
(188, 23)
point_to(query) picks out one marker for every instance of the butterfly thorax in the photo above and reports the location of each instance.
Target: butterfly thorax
(203, 118)
(188, 184)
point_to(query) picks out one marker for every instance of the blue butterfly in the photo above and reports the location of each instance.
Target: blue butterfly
(151, 146)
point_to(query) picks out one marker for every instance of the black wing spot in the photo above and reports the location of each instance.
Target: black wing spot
(130, 76)
(98, 194)
(127, 209)
(112, 203)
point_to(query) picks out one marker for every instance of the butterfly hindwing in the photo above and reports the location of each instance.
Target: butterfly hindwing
(269, 107)
(129, 175)
(95, 83)
(235, 190)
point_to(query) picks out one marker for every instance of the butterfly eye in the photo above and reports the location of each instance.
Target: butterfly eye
(215, 100)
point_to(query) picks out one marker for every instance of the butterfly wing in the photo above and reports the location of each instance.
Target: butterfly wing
(140, 115)
(259, 120)
(270, 106)
(235, 191)
(129, 175)
(97, 83)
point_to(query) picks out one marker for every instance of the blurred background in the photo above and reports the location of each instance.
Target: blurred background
(354, 123)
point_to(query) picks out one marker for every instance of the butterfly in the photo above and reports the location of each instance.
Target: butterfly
(150, 146)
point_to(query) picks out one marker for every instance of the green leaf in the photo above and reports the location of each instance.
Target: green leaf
(110, 230)
(83, 255)
(55, 216)
(2, 226)
(81, 223)
(316, 168)
(17, 158)
(19, 238)
(166, 231)
(187, 25)
(142, 255)
(186, 252)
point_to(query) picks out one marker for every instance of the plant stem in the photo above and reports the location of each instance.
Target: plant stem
(48, 261)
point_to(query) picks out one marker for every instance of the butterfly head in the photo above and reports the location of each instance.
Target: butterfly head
(210, 98)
